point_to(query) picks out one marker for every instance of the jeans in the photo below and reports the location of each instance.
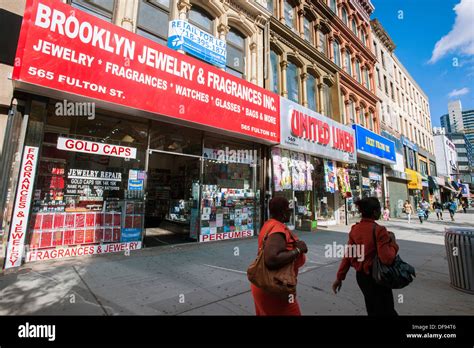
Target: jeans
(378, 298)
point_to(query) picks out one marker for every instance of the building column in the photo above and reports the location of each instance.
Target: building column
(284, 90)
(222, 30)
(183, 7)
(304, 91)
(253, 52)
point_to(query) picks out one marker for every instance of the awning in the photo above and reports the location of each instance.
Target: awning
(415, 182)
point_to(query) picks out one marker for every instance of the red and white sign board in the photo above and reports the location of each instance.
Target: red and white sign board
(65, 49)
(225, 236)
(21, 211)
(84, 146)
(80, 250)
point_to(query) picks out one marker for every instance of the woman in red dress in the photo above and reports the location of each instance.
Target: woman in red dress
(281, 248)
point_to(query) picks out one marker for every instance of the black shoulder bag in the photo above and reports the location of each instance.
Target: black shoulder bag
(396, 276)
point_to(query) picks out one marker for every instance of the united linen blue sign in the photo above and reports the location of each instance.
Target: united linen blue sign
(373, 144)
(185, 36)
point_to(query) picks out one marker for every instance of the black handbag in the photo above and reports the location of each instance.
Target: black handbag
(395, 276)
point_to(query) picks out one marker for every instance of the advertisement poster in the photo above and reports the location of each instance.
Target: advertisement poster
(277, 169)
(344, 182)
(182, 35)
(60, 45)
(330, 176)
(21, 210)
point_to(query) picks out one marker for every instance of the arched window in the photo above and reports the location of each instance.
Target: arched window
(352, 111)
(358, 75)
(336, 52)
(201, 19)
(348, 62)
(293, 82)
(327, 105)
(152, 21)
(354, 28)
(345, 17)
(235, 53)
(371, 120)
(274, 72)
(332, 5)
(289, 14)
(363, 37)
(362, 117)
(312, 91)
(308, 29)
(367, 78)
(322, 43)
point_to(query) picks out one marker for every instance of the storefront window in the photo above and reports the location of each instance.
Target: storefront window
(229, 194)
(90, 183)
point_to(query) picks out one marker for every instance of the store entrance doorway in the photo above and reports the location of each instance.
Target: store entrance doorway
(172, 202)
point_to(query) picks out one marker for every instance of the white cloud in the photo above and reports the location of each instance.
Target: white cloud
(461, 37)
(458, 92)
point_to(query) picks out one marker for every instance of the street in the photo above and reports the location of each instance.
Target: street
(210, 279)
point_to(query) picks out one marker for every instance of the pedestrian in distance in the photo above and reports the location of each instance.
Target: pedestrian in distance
(438, 208)
(453, 207)
(421, 213)
(386, 214)
(426, 208)
(378, 298)
(408, 209)
(464, 206)
(281, 248)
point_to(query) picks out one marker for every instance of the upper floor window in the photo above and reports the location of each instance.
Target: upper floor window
(354, 28)
(312, 91)
(378, 79)
(293, 82)
(376, 50)
(367, 78)
(274, 72)
(345, 17)
(235, 53)
(327, 105)
(392, 91)
(385, 84)
(371, 120)
(103, 9)
(332, 5)
(308, 29)
(270, 6)
(289, 14)
(382, 58)
(322, 43)
(201, 19)
(336, 52)
(358, 74)
(348, 62)
(152, 22)
(362, 117)
(363, 37)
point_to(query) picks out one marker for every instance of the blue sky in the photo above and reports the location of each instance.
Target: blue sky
(424, 24)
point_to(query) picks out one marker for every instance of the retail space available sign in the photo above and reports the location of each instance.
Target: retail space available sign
(80, 250)
(224, 236)
(374, 145)
(305, 130)
(182, 35)
(21, 212)
(68, 50)
(84, 146)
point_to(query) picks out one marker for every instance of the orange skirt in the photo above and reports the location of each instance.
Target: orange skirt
(270, 304)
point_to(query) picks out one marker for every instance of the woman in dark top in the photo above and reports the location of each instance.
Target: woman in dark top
(378, 299)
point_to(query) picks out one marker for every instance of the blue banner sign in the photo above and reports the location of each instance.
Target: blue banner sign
(185, 36)
(374, 144)
(409, 144)
(398, 143)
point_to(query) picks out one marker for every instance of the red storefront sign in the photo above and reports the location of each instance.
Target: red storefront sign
(63, 48)
(21, 212)
(77, 145)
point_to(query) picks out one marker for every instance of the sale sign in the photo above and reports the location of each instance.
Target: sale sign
(21, 211)
(84, 146)
(307, 131)
(65, 49)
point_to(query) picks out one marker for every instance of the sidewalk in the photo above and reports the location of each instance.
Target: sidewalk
(210, 279)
